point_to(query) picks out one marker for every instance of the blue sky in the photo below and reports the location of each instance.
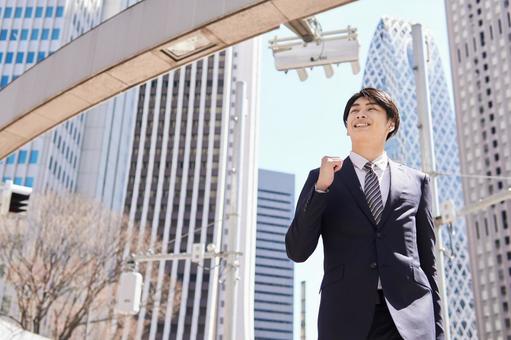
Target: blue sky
(301, 122)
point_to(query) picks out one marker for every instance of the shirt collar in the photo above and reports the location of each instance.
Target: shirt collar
(359, 161)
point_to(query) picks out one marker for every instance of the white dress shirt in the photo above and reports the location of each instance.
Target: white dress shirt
(381, 170)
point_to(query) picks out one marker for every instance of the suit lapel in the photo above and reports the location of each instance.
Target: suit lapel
(396, 187)
(349, 178)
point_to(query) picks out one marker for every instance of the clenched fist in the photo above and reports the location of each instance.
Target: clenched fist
(329, 166)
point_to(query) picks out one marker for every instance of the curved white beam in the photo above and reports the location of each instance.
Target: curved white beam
(126, 50)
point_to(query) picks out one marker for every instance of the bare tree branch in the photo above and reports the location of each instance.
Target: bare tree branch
(63, 260)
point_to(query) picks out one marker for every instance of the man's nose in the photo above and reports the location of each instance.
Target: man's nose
(361, 115)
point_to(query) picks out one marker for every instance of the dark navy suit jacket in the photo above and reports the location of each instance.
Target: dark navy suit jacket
(400, 250)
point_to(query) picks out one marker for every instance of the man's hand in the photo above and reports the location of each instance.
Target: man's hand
(329, 166)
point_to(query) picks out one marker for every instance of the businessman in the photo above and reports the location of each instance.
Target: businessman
(375, 219)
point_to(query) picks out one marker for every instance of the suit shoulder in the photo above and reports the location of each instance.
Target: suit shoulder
(412, 171)
(314, 171)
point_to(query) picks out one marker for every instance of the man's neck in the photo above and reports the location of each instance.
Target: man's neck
(369, 153)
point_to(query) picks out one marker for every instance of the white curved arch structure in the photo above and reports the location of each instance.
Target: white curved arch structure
(125, 51)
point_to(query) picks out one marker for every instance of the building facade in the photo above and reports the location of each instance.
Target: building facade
(29, 32)
(179, 191)
(480, 44)
(274, 276)
(390, 67)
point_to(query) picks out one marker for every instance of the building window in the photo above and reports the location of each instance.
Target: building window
(3, 35)
(4, 81)
(60, 11)
(30, 57)
(20, 56)
(18, 180)
(35, 34)
(49, 11)
(28, 11)
(9, 57)
(10, 159)
(34, 155)
(7, 12)
(45, 34)
(29, 182)
(55, 34)
(38, 12)
(17, 12)
(40, 56)
(14, 35)
(24, 35)
(22, 157)
(504, 219)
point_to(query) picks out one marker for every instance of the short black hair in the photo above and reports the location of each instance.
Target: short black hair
(381, 98)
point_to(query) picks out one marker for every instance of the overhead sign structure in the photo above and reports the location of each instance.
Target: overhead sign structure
(334, 47)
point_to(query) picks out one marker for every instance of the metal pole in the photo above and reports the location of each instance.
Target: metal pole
(303, 334)
(234, 224)
(428, 155)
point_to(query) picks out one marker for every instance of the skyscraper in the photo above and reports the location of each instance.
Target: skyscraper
(273, 318)
(179, 189)
(29, 32)
(389, 66)
(480, 41)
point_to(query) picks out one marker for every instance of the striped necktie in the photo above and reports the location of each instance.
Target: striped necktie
(372, 192)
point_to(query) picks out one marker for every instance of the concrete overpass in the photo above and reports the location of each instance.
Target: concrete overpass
(140, 43)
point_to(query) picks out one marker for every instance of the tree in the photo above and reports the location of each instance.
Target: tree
(63, 260)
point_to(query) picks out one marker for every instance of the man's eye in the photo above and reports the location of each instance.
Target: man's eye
(354, 111)
(371, 108)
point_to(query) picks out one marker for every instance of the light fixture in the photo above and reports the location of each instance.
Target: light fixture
(188, 45)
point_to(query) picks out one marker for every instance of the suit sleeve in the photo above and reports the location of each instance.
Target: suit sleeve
(303, 233)
(426, 240)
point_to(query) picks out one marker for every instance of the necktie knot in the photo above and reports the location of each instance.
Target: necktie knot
(368, 166)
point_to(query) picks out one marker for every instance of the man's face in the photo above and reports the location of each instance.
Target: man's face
(368, 121)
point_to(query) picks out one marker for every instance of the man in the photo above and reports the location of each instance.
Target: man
(375, 219)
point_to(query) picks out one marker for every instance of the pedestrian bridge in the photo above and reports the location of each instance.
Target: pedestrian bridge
(140, 43)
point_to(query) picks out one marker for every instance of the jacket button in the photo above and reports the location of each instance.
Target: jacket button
(378, 235)
(373, 265)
